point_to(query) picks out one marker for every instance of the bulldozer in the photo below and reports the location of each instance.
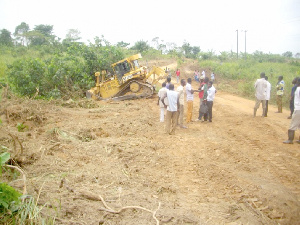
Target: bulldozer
(129, 80)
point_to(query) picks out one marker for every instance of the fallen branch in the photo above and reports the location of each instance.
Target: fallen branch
(24, 177)
(94, 197)
(14, 137)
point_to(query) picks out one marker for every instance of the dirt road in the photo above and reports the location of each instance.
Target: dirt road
(234, 170)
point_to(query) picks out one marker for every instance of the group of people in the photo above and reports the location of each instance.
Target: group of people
(262, 93)
(198, 77)
(174, 102)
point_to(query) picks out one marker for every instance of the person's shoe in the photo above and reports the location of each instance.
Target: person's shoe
(278, 112)
(210, 121)
(291, 135)
(290, 117)
(183, 127)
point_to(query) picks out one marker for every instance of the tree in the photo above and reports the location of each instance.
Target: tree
(41, 35)
(73, 35)
(5, 38)
(141, 46)
(288, 54)
(187, 49)
(195, 51)
(21, 31)
(156, 42)
(122, 44)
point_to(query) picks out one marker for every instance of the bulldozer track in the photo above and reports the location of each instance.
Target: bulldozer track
(147, 91)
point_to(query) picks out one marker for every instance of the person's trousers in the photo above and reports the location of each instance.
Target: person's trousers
(292, 106)
(171, 122)
(295, 123)
(209, 110)
(180, 115)
(267, 107)
(279, 103)
(257, 103)
(189, 111)
(177, 77)
(162, 114)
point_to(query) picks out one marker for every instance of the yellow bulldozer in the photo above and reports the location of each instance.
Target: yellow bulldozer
(129, 80)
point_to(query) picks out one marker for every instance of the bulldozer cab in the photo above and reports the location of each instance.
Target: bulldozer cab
(126, 67)
(121, 69)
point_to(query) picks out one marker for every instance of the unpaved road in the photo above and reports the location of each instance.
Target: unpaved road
(235, 170)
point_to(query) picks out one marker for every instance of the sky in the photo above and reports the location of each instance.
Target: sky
(272, 26)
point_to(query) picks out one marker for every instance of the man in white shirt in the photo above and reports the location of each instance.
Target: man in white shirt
(212, 77)
(180, 90)
(211, 91)
(268, 95)
(189, 99)
(295, 123)
(161, 93)
(260, 93)
(172, 114)
(203, 73)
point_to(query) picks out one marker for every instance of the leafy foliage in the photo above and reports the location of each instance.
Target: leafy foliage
(141, 46)
(9, 198)
(5, 38)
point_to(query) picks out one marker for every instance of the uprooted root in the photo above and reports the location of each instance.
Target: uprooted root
(94, 197)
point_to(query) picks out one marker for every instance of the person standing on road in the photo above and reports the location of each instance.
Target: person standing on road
(180, 90)
(161, 93)
(212, 77)
(260, 93)
(203, 100)
(294, 82)
(178, 75)
(203, 73)
(172, 114)
(295, 123)
(168, 82)
(268, 95)
(189, 99)
(279, 93)
(211, 91)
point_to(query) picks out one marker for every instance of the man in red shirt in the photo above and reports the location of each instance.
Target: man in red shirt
(178, 75)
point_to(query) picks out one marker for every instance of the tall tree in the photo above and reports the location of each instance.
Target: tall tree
(21, 31)
(141, 46)
(41, 34)
(73, 35)
(187, 49)
(288, 54)
(5, 38)
(122, 44)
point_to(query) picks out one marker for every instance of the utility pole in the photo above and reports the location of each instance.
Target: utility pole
(237, 43)
(245, 43)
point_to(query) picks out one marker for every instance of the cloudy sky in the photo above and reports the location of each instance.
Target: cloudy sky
(272, 25)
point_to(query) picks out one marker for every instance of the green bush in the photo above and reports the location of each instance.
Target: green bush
(9, 198)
